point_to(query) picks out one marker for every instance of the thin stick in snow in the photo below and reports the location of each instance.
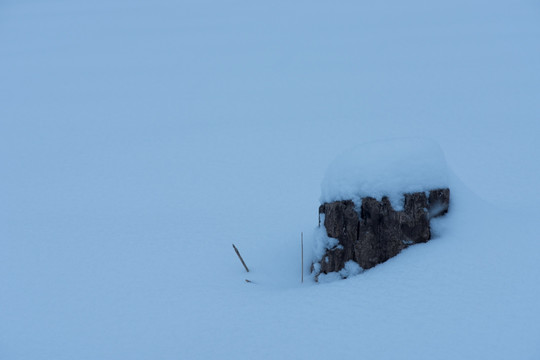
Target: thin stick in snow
(240, 257)
(302, 244)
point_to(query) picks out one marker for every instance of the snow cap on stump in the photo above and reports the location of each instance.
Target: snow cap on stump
(388, 168)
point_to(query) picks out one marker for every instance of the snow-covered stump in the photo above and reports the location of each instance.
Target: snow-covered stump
(377, 200)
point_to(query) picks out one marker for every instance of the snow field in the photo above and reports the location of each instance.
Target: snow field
(139, 140)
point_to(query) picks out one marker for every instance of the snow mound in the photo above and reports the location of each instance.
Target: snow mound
(385, 168)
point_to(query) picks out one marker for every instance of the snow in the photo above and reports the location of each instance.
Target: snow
(321, 241)
(138, 140)
(385, 168)
(351, 268)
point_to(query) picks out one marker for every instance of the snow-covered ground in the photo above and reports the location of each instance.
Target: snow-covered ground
(138, 140)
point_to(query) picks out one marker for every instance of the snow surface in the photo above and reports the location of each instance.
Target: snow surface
(351, 269)
(138, 140)
(385, 168)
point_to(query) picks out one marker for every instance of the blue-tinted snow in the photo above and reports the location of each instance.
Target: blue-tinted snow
(385, 168)
(138, 140)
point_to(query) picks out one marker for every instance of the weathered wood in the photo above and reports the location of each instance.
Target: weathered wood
(372, 231)
(240, 257)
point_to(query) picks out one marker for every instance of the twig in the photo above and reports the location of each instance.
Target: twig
(302, 243)
(240, 257)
